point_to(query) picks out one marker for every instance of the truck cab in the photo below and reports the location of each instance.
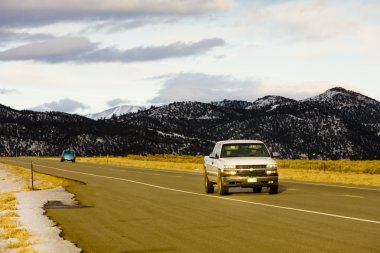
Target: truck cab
(240, 163)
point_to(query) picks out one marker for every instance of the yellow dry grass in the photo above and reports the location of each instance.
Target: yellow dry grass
(7, 201)
(343, 166)
(10, 227)
(176, 162)
(330, 177)
(329, 171)
(332, 171)
(41, 181)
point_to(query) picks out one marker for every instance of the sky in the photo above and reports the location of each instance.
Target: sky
(87, 56)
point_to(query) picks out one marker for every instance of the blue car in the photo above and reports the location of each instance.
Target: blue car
(68, 155)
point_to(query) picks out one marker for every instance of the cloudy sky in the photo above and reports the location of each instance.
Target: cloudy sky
(86, 56)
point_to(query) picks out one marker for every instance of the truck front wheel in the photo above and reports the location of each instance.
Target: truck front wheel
(223, 190)
(209, 187)
(273, 189)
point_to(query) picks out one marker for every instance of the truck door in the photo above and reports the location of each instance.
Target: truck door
(213, 166)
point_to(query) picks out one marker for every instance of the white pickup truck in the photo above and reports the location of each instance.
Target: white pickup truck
(240, 163)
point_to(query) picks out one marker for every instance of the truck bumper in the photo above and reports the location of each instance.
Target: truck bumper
(238, 181)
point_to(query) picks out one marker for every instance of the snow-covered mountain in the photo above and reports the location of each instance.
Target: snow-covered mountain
(117, 111)
(343, 97)
(335, 124)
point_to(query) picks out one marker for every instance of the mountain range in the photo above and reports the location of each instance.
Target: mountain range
(335, 124)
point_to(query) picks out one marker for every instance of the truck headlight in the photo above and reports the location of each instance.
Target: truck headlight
(229, 167)
(229, 172)
(272, 172)
(272, 166)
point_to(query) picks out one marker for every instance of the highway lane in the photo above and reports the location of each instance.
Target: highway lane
(142, 210)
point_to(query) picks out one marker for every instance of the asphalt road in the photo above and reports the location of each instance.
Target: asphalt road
(142, 210)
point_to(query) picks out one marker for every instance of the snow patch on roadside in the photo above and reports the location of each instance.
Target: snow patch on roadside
(45, 235)
(30, 209)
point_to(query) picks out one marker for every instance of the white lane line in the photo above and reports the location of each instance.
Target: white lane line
(135, 171)
(217, 197)
(353, 196)
(331, 185)
(167, 171)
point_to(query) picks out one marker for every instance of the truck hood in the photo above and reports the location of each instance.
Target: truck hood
(247, 160)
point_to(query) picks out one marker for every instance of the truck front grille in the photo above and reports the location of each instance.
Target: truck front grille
(251, 173)
(247, 167)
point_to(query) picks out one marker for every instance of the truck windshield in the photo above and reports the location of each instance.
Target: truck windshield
(244, 150)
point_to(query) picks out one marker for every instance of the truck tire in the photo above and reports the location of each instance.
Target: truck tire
(223, 190)
(273, 189)
(257, 189)
(209, 187)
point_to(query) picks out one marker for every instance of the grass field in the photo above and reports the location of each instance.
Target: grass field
(337, 171)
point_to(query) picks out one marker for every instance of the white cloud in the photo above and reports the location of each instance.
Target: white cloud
(204, 88)
(64, 105)
(54, 50)
(9, 35)
(36, 12)
(4, 91)
(76, 49)
(174, 50)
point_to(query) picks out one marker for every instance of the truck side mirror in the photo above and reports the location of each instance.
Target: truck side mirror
(275, 154)
(214, 156)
